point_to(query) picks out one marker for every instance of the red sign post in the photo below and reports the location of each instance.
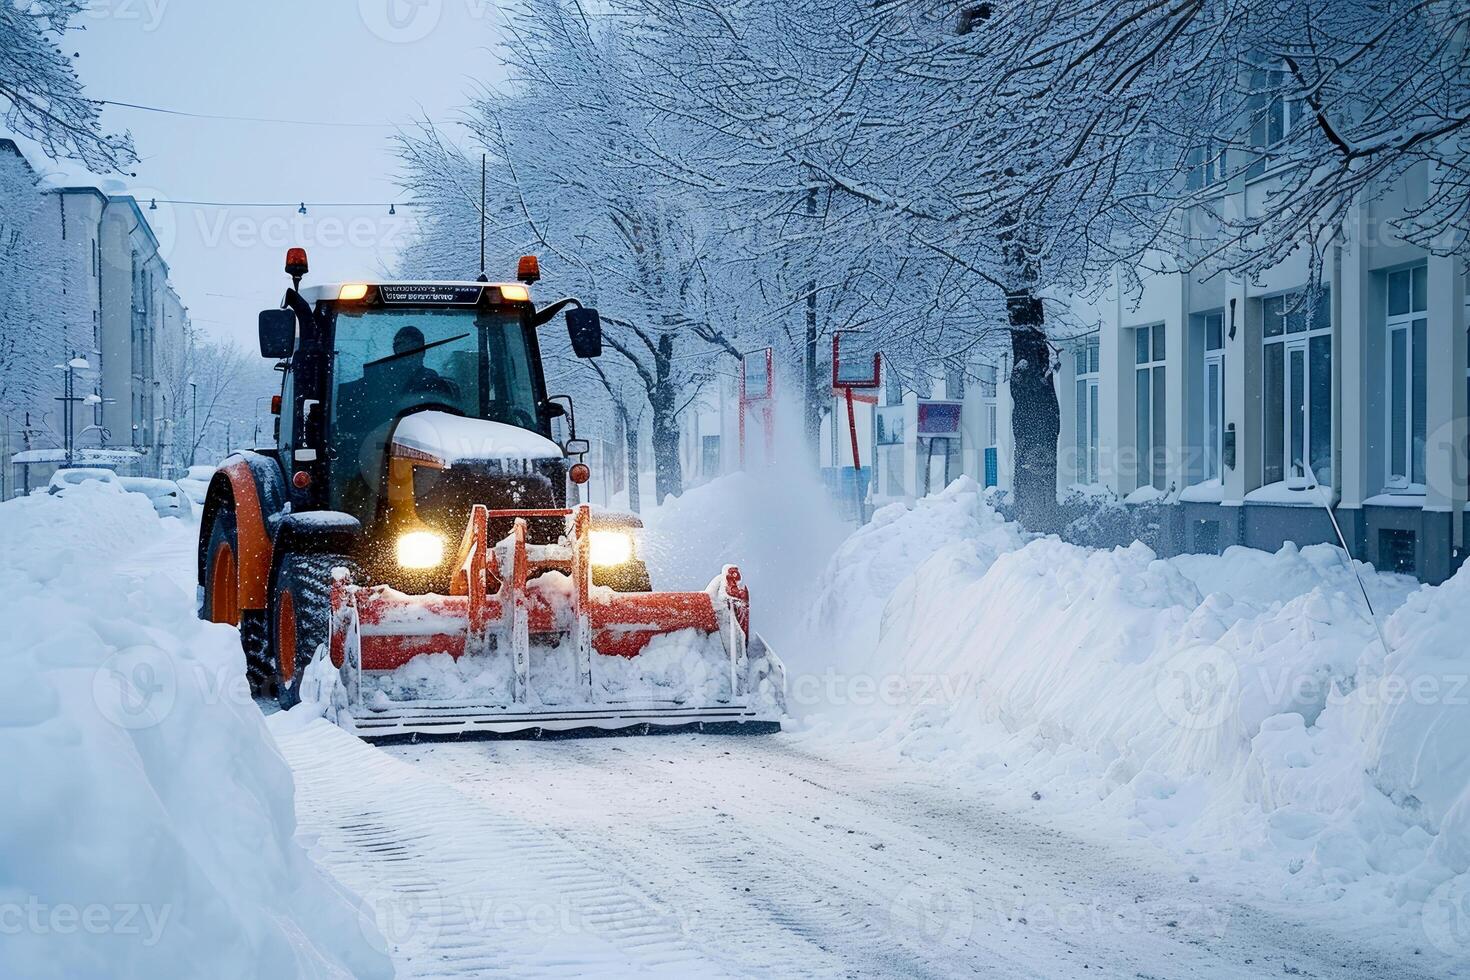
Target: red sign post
(856, 364)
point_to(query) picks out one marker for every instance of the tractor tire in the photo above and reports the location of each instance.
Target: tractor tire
(300, 608)
(221, 602)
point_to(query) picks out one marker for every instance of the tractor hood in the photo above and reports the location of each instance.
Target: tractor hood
(453, 440)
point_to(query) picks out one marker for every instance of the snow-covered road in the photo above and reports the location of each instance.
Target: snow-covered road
(705, 855)
(795, 854)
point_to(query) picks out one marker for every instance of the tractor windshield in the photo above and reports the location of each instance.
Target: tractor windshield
(472, 362)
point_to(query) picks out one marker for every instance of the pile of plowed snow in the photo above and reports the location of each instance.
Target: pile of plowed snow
(1236, 705)
(148, 823)
(778, 525)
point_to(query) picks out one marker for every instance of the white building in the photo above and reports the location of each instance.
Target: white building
(118, 313)
(1228, 398)
(1221, 401)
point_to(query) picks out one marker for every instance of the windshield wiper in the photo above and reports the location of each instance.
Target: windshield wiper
(416, 350)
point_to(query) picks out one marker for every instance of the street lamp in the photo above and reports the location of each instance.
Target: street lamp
(193, 421)
(68, 400)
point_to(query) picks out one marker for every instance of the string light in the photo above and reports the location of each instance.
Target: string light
(301, 207)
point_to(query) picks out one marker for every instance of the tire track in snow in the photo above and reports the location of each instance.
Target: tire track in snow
(460, 889)
(792, 863)
(744, 871)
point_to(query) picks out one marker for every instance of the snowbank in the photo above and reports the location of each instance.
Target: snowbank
(148, 829)
(870, 565)
(1236, 705)
(777, 525)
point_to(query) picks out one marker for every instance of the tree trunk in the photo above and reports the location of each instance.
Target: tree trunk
(668, 471)
(630, 442)
(1036, 417)
(813, 397)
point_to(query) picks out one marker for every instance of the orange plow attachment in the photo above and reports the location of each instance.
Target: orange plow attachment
(526, 641)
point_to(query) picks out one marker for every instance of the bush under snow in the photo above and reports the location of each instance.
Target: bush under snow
(1239, 704)
(148, 824)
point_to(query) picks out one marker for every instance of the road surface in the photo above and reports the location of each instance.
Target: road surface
(701, 855)
(730, 856)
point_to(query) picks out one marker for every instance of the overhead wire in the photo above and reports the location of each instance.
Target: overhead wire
(163, 110)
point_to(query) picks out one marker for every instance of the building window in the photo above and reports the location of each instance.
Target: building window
(1297, 398)
(1212, 391)
(1085, 434)
(1148, 405)
(1396, 550)
(1274, 113)
(1406, 356)
(710, 456)
(954, 378)
(1206, 166)
(989, 376)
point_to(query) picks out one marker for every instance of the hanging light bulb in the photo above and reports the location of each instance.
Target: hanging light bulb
(153, 204)
(302, 209)
(392, 209)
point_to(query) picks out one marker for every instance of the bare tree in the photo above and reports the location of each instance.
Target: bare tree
(215, 396)
(41, 92)
(1037, 149)
(607, 229)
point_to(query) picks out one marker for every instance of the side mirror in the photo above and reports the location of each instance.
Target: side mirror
(277, 333)
(584, 327)
(577, 447)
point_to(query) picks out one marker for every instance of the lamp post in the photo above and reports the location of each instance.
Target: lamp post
(68, 400)
(193, 420)
(163, 427)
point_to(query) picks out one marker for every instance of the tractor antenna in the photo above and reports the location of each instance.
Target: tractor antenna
(483, 277)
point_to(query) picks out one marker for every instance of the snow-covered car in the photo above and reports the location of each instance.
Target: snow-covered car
(194, 489)
(66, 479)
(166, 496)
(196, 483)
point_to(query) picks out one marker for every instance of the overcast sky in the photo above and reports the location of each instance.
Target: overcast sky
(371, 61)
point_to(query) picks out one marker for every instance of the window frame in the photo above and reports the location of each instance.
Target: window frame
(1290, 341)
(1406, 323)
(1087, 366)
(1150, 457)
(1212, 357)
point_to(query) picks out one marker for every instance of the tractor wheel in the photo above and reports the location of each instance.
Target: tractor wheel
(221, 601)
(300, 607)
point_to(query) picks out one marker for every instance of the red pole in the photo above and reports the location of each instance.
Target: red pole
(857, 466)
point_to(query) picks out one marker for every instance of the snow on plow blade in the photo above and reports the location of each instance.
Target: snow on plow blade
(525, 641)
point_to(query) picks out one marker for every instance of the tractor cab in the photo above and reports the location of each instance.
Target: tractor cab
(403, 403)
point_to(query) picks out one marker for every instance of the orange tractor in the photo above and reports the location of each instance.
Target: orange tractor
(406, 555)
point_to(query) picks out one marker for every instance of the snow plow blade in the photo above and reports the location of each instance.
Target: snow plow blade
(526, 642)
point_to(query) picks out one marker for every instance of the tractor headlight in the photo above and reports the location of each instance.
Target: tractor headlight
(420, 549)
(611, 547)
